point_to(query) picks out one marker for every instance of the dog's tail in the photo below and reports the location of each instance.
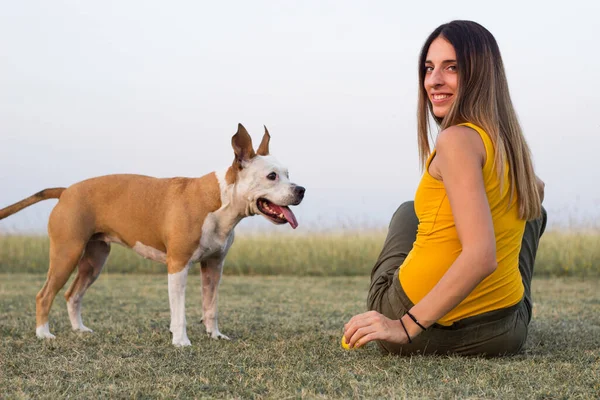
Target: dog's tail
(53, 193)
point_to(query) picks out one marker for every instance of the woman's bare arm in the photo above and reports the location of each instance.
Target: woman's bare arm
(460, 156)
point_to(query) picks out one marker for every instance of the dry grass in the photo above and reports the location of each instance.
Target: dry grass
(561, 253)
(285, 333)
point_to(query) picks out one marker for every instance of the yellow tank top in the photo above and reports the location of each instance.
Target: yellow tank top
(437, 244)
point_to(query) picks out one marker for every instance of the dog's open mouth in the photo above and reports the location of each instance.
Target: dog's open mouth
(277, 214)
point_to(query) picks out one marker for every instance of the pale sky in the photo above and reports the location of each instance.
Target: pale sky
(158, 88)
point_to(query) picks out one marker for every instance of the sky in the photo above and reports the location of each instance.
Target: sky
(158, 88)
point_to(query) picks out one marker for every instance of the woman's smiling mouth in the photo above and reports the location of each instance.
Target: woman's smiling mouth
(439, 98)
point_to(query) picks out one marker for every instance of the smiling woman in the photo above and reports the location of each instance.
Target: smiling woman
(454, 275)
(441, 79)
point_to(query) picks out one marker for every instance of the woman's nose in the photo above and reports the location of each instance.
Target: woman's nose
(435, 78)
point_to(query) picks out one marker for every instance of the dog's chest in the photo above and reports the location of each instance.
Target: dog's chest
(214, 241)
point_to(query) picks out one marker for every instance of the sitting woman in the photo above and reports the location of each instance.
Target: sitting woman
(454, 275)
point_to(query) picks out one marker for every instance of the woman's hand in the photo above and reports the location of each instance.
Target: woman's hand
(363, 328)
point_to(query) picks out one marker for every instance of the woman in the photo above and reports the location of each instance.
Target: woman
(454, 275)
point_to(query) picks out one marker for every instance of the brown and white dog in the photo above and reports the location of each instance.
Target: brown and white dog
(177, 221)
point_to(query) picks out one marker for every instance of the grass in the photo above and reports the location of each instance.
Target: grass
(561, 253)
(285, 344)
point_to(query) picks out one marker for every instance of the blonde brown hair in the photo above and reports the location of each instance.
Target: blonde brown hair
(483, 99)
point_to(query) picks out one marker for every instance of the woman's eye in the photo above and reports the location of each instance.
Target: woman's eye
(428, 69)
(272, 176)
(452, 68)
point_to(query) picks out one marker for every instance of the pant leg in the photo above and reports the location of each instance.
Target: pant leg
(402, 233)
(534, 230)
(492, 334)
(385, 294)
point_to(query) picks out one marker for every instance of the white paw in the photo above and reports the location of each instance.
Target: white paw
(43, 332)
(83, 328)
(218, 335)
(182, 342)
(46, 335)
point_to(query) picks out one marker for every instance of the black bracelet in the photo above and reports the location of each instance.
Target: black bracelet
(405, 331)
(415, 320)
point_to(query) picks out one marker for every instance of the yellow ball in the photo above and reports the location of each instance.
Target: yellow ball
(345, 345)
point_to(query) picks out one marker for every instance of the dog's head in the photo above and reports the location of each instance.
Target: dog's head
(261, 181)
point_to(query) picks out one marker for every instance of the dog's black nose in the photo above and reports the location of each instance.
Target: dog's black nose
(299, 190)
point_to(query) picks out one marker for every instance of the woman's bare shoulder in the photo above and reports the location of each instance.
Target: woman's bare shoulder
(460, 141)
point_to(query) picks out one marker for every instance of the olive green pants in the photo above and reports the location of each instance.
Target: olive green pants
(494, 333)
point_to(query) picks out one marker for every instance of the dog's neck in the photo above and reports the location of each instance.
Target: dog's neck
(234, 205)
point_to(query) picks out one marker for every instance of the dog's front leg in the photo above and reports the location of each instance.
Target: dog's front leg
(177, 283)
(211, 276)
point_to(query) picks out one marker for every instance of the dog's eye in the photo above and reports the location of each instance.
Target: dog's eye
(272, 176)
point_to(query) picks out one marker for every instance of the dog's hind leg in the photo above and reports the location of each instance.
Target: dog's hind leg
(211, 276)
(89, 268)
(63, 259)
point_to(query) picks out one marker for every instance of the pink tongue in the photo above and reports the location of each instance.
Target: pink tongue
(287, 213)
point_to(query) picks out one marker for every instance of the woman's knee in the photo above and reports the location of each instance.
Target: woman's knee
(405, 214)
(544, 220)
(535, 228)
(405, 209)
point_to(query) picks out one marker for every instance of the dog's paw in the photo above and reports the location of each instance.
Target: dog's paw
(46, 335)
(43, 332)
(180, 339)
(184, 342)
(83, 328)
(218, 335)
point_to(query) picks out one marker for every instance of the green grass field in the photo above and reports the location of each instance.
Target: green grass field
(283, 302)
(285, 344)
(561, 253)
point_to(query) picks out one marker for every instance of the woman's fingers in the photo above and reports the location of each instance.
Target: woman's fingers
(367, 338)
(360, 318)
(363, 337)
(363, 328)
(358, 321)
(359, 335)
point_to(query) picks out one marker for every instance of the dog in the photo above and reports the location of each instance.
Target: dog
(176, 221)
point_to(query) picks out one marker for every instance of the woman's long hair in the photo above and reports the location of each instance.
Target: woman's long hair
(482, 99)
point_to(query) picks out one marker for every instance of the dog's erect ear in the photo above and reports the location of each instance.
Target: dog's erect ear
(242, 145)
(263, 149)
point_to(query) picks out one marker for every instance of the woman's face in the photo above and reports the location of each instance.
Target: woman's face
(441, 76)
